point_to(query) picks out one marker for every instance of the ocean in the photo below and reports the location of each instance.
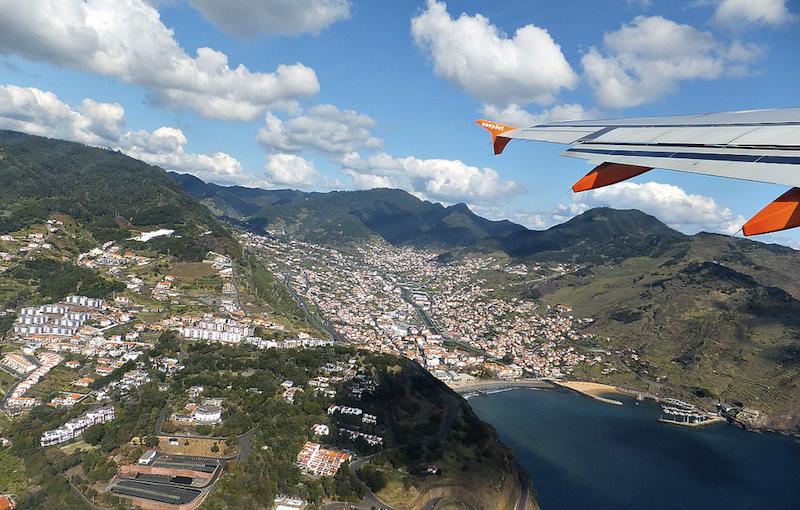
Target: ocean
(583, 454)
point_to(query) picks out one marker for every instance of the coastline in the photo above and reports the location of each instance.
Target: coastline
(489, 386)
(593, 390)
(590, 389)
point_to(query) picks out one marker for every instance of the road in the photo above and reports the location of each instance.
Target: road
(431, 324)
(314, 317)
(246, 444)
(161, 417)
(370, 499)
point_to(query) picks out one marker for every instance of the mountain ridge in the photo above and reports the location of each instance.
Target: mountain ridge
(346, 216)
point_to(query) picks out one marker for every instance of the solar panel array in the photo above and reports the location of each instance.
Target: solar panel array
(202, 464)
(145, 477)
(155, 491)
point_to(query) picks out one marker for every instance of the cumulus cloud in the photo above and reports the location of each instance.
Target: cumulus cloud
(126, 39)
(647, 59)
(248, 18)
(513, 115)
(437, 179)
(42, 113)
(324, 128)
(492, 67)
(740, 13)
(671, 204)
(291, 170)
(530, 219)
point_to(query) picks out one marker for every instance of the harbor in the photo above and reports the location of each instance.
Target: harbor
(678, 412)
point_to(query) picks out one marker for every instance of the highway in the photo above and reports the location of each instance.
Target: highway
(314, 317)
(429, 323)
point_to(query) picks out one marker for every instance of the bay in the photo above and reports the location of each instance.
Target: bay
(583, 454)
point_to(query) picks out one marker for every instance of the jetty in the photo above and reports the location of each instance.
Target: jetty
(684, 414)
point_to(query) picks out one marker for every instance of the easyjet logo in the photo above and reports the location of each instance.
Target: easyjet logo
(492, 126)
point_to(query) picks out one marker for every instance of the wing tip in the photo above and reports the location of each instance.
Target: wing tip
(496, 129)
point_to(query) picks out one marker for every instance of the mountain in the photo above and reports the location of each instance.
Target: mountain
(705, 317)
(597, 235)
(111, 195)
(346, 216)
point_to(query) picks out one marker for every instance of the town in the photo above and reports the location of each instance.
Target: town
(92, 355)
(444, 316)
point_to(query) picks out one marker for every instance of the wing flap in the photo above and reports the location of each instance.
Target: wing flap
(786, 174)
(781, 214)
(606, 174)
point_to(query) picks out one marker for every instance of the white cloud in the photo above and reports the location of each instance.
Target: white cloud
(671, 204)
(106, 118)
(489, 65)
(648, 58)
(437, 179)
(247, 18)
(324, 128)
(516, 116)
(739, 13)
(291, 170)
(42, 113)
(126, 39)
(525, 218)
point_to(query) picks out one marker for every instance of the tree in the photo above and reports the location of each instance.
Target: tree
(94, 435)
(215, 448)
(373, 477)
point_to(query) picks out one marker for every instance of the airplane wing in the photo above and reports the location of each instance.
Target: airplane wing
(754, 145)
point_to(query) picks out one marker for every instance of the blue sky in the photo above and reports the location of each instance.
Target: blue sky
(349, 94)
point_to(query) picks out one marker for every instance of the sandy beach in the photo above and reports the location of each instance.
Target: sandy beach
(591, 388)
(594, 390)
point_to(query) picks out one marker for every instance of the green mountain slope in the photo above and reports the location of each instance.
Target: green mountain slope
(346, 216)
(709, 316)
(598, 235)
(109, 194)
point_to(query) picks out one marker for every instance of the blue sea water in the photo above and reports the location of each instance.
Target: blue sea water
(583, 454)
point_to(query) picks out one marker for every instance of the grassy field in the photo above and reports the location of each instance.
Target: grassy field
(188, 272)
(194, 446)
(704, 332)
(57, 380)
(77, 445)
(12, 474)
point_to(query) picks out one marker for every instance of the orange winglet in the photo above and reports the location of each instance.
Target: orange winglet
(606, 174)
(781, 214)
(496, 129)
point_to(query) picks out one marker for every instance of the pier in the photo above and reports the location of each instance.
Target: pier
(677, 412)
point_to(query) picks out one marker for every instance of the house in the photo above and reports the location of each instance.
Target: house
(194, 391)
(208, 414)
(83, 382)
(148, 457)
(65, 400)
(103, 370)
(319, 461)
